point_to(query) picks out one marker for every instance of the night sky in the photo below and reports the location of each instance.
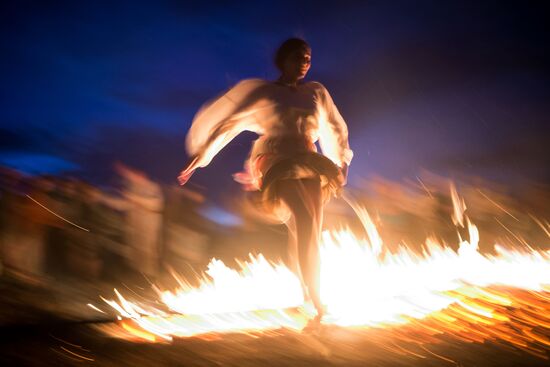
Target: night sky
(453, 87)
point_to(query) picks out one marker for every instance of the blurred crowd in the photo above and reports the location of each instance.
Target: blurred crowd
(410, 211)
(52, 227)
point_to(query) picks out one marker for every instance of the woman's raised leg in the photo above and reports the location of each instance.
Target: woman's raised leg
(303, 198)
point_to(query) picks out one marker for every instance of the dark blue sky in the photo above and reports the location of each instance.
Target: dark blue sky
(448, 86)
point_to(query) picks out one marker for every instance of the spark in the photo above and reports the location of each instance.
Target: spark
(520, 240)
(424, 186)
(95, 308)
(541, 225)
(66, 342)
(57, 215)
(76, 354)
(65, 355)
(497, 205)
(438, 355)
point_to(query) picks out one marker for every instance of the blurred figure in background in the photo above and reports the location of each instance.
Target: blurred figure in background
(110, 231)
(25, 230)
(186, 243)
(83, 249)
(62, 200)
(9, 180)
(144, 204)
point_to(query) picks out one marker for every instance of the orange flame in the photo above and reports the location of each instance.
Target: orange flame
(464, 293)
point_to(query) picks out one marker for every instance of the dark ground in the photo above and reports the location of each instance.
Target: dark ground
(76, 344)
(49, 330)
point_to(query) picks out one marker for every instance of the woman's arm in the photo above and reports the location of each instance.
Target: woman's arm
(333, 133)
(219, 122)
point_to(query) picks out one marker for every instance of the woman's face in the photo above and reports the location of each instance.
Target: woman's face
(297, 64)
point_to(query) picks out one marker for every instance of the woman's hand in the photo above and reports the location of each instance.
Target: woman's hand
(188, 171)
(185, 176)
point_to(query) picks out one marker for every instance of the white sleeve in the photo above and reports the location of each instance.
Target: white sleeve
(220, 121)
(333, 131)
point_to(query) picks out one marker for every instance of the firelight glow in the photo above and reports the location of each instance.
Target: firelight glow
(363, 285)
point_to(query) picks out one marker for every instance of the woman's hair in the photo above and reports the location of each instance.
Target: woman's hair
(288, 47)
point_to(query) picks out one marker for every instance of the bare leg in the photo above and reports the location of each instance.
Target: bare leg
(303, 198)
(292, 249)
(293, 255)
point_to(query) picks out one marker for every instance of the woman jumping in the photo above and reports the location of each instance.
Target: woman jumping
(292, 179)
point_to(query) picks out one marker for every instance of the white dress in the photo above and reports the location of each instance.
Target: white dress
(288, 120)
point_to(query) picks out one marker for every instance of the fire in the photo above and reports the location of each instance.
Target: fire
(464, 293)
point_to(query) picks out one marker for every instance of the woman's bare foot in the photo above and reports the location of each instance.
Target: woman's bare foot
(314, 324)
(321, 311)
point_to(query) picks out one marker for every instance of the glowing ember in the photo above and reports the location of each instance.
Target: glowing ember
(465, 294)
